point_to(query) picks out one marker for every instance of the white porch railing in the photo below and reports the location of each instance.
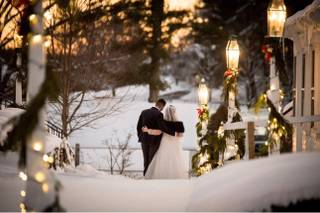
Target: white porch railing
(250, 126)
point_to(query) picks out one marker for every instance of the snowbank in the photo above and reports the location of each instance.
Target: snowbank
(241, 186)
(256, 185)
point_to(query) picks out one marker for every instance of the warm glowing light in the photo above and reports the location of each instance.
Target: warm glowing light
(23, 193)
(277, 14)
(23, 176)
(266, 143)
(178, 36)
(39, 176)
(37, 146)
(47, 158)
(37, 38)
(45, 188)
(50, 160)
(22, 206)
(47, 43)
(232, 53)
(32, 17)
(47, 15)
(203, 93)
(176, 5)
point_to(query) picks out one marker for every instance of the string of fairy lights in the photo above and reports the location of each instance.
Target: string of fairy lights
(36, 144)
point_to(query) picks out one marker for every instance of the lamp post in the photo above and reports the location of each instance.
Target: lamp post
(203, 93)
(203, 110)
(232, 59)
(276, 18)
(203, 118)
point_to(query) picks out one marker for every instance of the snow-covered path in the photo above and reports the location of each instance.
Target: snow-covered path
(108, 194)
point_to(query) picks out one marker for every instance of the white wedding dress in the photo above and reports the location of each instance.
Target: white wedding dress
(168, 162)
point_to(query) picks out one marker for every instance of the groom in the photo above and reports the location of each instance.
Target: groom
(153, 119)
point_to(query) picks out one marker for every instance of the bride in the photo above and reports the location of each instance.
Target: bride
(168, 162)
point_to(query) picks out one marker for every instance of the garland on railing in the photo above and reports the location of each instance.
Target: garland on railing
(278, 129)
(212, 136)
(203, 117)
(213, 143)
(201, 164)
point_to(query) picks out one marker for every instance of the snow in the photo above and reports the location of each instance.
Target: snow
(311, 13)
(6, 114)
(248, 185)
(255, 185)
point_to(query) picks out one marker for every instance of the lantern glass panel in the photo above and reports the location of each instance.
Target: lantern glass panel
(232, 54)
(277, 14)
(203, 94)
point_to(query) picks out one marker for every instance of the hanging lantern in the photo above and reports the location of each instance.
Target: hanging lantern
(232, 53)
(203, 93)
(277, 14)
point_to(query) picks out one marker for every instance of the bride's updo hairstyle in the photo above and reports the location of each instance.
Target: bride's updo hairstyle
(170, 114)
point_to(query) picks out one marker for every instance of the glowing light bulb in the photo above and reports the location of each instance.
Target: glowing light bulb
(45, 187)
(39, 176)
(37, 38)
(45, 158)
(23, 193)
(23, 176)
(22, 206)
(47, 43)
(33, 18)
(37, 146)
(50, 160)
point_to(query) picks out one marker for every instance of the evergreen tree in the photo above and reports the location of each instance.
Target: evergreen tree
(156, 25)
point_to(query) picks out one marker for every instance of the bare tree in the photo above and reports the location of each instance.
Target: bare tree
(79, 53)
(119, 154)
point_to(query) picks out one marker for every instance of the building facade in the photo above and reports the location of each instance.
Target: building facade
(303, 28)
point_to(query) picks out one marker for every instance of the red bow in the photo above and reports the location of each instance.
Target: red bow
(228, 73)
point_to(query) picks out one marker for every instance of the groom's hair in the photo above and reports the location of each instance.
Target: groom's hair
(160, 103)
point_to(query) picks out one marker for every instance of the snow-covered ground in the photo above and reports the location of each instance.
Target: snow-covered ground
(241, 186)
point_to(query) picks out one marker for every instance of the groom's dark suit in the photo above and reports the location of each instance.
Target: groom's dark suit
(153, 119)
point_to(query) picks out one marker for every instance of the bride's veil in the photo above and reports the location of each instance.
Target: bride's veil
(170, 114)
